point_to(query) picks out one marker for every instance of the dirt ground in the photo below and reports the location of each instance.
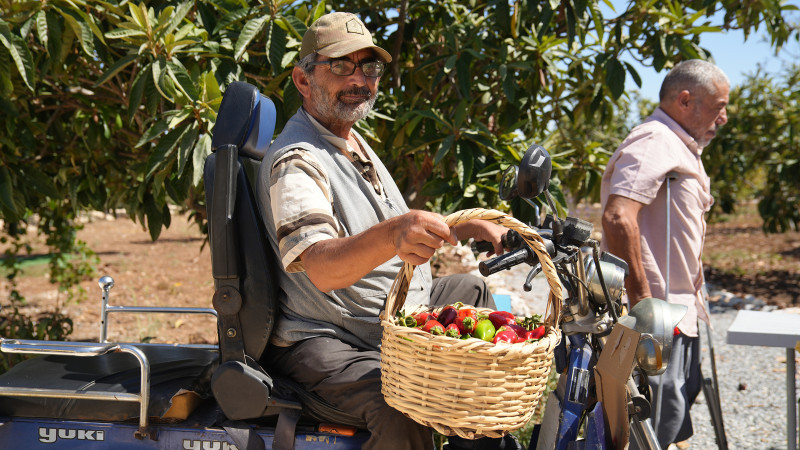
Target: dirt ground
(176, 271)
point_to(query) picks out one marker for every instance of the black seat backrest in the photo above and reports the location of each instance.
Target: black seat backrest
(243, 264)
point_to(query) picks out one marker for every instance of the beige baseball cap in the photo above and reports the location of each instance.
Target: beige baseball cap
(338, 34)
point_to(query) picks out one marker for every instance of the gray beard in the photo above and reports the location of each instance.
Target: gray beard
(336, 111)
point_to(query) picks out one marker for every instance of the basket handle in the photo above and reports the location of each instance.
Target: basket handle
(399, 290)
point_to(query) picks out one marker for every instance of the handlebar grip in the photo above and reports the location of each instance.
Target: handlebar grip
(482, 247)
(511, 240)
(507, 261)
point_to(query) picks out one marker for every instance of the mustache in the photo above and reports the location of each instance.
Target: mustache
(355, 90)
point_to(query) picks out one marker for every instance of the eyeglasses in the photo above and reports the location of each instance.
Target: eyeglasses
(345, 67)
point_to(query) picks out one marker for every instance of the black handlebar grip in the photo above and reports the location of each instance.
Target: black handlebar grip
(511, 240)
(482, 247)
(507, 261)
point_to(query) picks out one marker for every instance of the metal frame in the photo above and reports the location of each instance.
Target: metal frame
(106, 283)
(87, 349)
(82, 349)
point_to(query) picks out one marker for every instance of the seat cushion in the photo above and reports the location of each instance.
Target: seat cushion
(178, 381)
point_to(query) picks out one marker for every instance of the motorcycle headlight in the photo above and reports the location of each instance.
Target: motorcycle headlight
(656, 320)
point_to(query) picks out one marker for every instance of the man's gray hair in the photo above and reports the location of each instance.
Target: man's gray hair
(690, 75)
(305, 63)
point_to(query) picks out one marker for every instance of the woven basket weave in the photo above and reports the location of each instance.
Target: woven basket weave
(470, 388)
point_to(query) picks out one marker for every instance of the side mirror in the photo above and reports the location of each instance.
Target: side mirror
(530, 178)
(656, 321)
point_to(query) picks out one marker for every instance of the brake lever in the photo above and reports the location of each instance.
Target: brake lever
(531, 275)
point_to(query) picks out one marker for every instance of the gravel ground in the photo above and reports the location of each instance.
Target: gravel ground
(752, 383)
(752, 379)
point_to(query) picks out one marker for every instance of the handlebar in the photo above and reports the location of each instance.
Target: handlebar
(510, 240)
(523, 254)
(507, 261)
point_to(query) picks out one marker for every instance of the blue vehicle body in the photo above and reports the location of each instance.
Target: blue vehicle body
(32, 433)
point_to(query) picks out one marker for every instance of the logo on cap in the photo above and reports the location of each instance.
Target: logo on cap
(353, 26)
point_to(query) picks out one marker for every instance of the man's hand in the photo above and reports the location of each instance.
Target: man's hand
(482, 230)
(338, 263)
(416, 235)
(621, 233)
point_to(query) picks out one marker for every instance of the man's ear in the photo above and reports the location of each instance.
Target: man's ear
(301, 82)
(684, 99)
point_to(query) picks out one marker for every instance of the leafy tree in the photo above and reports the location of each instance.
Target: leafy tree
(757, 154)
(111, 104)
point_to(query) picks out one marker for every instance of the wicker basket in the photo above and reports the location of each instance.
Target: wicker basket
(470, 388)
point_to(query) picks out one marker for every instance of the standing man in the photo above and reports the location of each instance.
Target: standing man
(342, 230)
(693, 99)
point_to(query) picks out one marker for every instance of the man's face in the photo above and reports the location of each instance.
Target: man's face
(708, 114)
(347, 98)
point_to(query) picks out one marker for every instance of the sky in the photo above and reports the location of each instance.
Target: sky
(731, 53)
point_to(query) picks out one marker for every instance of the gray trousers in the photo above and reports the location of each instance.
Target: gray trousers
(683, 381)
(349, 377)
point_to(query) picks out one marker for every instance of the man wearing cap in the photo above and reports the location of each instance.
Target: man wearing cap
(342, 231)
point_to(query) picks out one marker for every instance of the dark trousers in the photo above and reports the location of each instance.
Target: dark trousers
(349, 377)
(682, 383)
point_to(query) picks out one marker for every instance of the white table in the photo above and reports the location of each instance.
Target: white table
(773, 329)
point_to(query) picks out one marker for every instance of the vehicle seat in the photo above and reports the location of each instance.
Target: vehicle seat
(245, 268)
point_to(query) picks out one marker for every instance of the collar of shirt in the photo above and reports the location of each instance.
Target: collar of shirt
(336, 141)
(661, 116)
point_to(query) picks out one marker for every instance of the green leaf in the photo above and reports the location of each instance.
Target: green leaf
(121, 33)
(634, 74)
(6, 85)
(154, 217)
(41, 27)
(19, 53)
(116, 68)
(185, 147)
(248, 33)
(41, 182)
(276, 47)
(317, 12)
(88, 21)
(6, 191)
(295, 26)
(175, 17)
(450, 63)
(135, 96)
(182, 79)
(81, 29)
(164, 148)
(615, 77)
(154, 131)
(233, 16)
(210, 87)
(201, 151)
(447, 143)
(160, 79)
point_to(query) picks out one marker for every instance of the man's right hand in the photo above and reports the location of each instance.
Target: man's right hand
(417, 234)
(339, 262)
